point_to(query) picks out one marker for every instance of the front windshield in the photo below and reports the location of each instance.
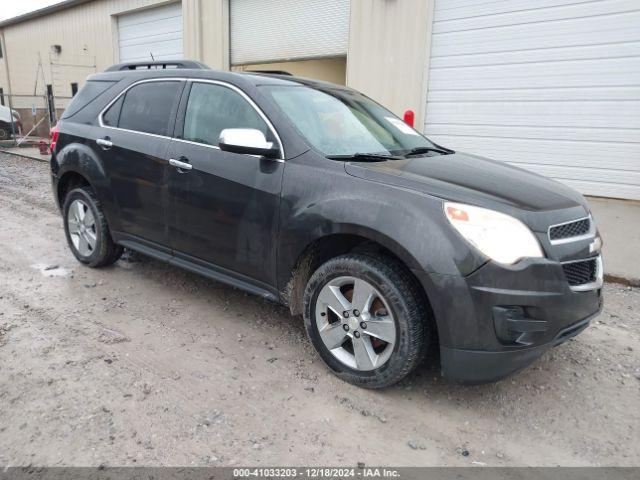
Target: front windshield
(342, 122)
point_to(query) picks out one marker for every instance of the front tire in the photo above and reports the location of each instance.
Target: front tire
(367, 319)
(86, 229)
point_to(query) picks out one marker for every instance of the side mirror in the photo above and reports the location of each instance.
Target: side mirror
(248, 141)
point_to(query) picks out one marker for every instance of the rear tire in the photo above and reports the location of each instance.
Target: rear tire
(367, 319)
(4, 133)
(86, 229)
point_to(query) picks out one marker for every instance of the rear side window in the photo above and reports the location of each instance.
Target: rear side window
(149, 107)
(90, 91)
(212, 108)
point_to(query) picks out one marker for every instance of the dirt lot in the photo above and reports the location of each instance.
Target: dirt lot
(144, 364)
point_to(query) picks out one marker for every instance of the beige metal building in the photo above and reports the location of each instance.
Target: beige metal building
(311, 38)
(548, 85)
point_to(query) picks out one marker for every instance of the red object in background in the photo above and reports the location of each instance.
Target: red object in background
(44, 147)
(409, 118)
(53, 139)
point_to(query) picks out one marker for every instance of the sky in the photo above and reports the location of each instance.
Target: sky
(13, 8)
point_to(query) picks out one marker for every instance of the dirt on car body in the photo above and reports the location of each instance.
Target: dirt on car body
(145, 364)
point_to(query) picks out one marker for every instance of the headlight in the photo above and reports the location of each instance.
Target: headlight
(500, 237)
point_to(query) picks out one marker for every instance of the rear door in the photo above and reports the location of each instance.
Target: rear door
(223, 211)
(136, 138)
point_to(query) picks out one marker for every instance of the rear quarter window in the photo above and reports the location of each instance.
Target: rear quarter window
(112, 115)
(91, 90)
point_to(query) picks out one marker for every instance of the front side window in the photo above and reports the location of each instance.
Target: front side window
(150, 107)
(344, 122)
(212, 108)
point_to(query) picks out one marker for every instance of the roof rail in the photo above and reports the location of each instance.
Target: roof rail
(158, 65)
(270, 72)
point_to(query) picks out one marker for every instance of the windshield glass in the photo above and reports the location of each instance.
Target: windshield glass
(342, 122)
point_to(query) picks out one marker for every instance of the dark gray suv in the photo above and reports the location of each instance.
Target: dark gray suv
(315, 196)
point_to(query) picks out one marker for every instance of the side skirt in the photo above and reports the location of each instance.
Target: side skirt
(194, 265)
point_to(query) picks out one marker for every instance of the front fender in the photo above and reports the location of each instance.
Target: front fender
(409, 224)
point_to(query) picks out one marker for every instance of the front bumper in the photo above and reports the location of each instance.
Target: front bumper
(478, 366)
(499, 319)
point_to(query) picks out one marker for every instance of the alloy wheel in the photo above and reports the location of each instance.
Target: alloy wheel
(82, 227)
(355, 323)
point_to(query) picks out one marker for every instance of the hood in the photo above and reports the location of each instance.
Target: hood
(472, 179)
(478, 181)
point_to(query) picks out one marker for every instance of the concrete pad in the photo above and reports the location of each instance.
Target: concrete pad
(619, 225)
(27, 152)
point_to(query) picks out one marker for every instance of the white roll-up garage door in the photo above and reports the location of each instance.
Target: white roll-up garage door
(549, 85)
(280, 30)
(153, 32)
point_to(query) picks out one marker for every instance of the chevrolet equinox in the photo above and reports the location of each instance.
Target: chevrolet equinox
(313, 195)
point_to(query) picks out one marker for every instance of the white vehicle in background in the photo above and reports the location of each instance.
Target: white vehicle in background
(9, 126)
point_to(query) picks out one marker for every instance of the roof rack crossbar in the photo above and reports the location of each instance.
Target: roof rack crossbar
(158, 65)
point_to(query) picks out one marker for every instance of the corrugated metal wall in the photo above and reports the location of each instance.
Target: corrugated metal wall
(548, 85)
(288, 29)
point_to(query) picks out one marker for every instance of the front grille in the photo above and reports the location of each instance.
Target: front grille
(568, 230)
(580, 273)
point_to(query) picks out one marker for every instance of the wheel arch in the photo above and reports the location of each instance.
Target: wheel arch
(68, 181)
(78, 164)
(344, 238)
(326, 247)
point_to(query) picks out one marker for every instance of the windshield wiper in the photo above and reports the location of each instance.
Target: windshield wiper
(365, 156)
(437, 149)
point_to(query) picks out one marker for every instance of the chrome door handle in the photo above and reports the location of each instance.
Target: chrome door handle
(180, 165)
(104, 143)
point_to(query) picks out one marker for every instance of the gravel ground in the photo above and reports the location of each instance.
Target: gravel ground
(145, 364)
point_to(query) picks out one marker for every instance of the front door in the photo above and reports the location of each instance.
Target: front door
(223, 209)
